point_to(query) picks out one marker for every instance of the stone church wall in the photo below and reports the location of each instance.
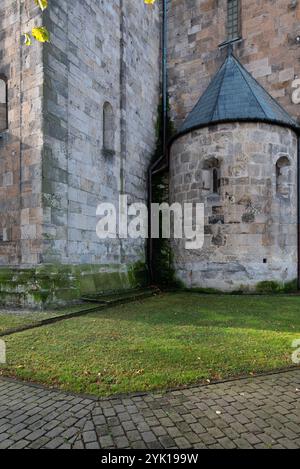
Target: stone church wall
(54, 168)
(20, 147)
(251, 219)
(102, 52)
(269, 48)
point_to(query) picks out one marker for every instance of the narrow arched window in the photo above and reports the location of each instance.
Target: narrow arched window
(233, 19)
(215, 180)
(211, 176)
(108, 128)
(3, 105)
(283, 176)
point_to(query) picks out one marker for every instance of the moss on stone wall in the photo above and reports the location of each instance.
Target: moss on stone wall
(138, 275)
(62, 284)
(277, 287)
(262, 288)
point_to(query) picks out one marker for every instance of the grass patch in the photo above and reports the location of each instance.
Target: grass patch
(171, 340)
(19, 318)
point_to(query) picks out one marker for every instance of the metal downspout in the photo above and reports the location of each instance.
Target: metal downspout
(154, 168)
(298, 224)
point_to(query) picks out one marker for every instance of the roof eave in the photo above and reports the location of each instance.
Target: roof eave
(181, 133)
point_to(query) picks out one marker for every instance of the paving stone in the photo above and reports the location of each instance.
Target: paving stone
(89, 437)
(128, 426)
(176, 419)
(148, 437)
(143, 427)
(78, 445)
(167, 442)
(21, 444)
(182, 443)
(133, 435)
(4, 436)
(69, 433)
(65, 446)
(6, 444)
(122, 442)
(94, 445)
(54, 443)
(106, 441)
(174, 432)
(227, 443)
(55, 432)
(39, 443)
(159, 431)
(16, 436)
(35, 435)
(139, 445)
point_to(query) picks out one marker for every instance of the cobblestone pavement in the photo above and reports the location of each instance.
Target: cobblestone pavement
(262, 412)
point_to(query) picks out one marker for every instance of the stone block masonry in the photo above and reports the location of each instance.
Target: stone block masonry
(21, 145)
(251, 223)
(55, 169)
(268, 48)
(245, 174)
(100, 53)
(82, 113)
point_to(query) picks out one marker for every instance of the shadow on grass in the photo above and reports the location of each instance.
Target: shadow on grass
(279, 314)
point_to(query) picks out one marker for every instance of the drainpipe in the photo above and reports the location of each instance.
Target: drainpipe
(155, 168)
(298, 223)
(165, 75)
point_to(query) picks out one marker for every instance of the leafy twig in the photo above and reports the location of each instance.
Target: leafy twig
(40, 33)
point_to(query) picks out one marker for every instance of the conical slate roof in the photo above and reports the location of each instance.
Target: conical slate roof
(234, 95)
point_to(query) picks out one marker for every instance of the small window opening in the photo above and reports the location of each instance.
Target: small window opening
(3, 105)
(233, 20)
(108, 128)
(211, 180)
(215, 181)
(283, 177)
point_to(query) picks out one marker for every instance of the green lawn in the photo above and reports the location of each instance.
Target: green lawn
(15, 319)
(165, 341)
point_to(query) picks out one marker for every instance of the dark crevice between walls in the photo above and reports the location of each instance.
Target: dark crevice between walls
(160, 258)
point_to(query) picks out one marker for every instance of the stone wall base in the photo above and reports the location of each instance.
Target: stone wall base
(57, 285)
(236, 277)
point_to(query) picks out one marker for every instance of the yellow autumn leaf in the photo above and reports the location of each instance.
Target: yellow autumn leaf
(41, 34)
(43, 4)
(149, 2)
(27, 39)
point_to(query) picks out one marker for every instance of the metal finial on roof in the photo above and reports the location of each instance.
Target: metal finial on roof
(229, 49)
(234, 95)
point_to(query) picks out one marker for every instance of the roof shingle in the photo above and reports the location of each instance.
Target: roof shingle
(234, 95)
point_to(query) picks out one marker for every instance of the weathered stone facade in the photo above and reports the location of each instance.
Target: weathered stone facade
(268, 48)
(251, 218)
(251, 221)
(81, 131)
(54, 167)
(20, 146)
(111, 57)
